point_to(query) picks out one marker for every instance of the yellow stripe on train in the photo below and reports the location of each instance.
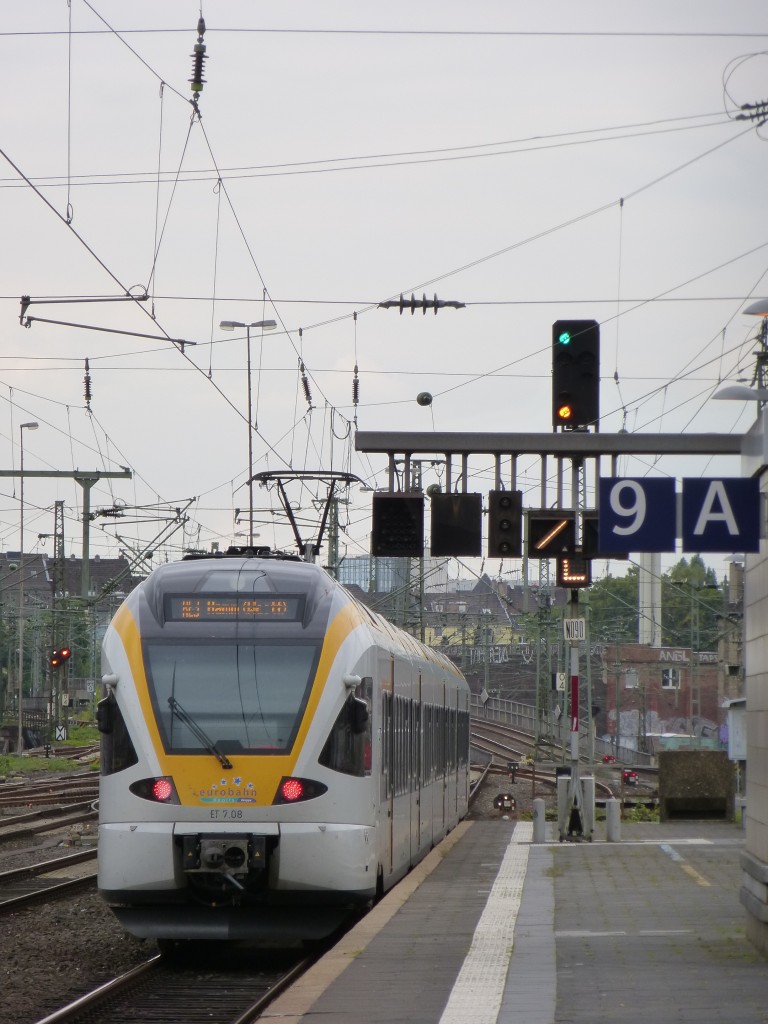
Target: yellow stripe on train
(249, 782)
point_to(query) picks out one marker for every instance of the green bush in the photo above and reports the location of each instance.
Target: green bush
(640, 813)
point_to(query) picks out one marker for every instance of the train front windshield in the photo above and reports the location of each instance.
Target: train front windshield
(240, 697)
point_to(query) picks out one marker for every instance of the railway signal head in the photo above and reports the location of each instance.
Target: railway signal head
(398, 525)
(574, 571)
(59, 655)
(575, 373)
(505, 529)
(551, 533)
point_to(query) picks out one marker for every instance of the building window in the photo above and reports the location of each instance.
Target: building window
(670, 678)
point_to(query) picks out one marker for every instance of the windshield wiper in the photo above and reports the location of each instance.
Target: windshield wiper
(201, 735)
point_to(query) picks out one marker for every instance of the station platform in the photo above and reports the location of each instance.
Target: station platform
(494, 929)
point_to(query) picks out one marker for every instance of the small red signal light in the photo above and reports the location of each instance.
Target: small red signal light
(292, 789)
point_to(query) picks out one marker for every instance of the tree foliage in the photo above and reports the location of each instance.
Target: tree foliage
(691, 603)
(613, 604)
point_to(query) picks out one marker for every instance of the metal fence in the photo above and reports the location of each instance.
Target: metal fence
(554, 731)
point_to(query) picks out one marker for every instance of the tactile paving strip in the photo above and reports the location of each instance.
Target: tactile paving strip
(479, 988)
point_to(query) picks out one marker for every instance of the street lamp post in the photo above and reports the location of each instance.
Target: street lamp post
(22, 428)
(265, 325)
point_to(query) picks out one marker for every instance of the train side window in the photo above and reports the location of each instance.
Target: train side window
(348, 747)
(463, 740)
(420, 716)
(413, 745)
(441, 720)
(117, 750)
(398, 746)
(386, 744)
(428, 773)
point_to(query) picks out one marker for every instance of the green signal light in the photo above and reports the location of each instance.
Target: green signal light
(565, 338)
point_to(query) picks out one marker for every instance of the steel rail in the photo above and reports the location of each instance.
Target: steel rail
(51, 892)
(255, 1011)
(91, 999)
(60, 819)
(45, 866)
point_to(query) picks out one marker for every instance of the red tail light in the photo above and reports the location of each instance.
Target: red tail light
(292, 790)
(161, 790)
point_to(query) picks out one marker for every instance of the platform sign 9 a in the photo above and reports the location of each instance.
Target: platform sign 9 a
(721, 514)
(637, 515)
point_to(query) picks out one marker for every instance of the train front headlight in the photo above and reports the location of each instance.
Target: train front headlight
(161, 790)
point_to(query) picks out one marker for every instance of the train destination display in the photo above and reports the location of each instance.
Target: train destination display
(232, 607)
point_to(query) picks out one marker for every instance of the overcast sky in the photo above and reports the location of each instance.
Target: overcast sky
(577, 160)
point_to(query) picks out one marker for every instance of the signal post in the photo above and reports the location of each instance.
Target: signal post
(575, 795)
(717, 515)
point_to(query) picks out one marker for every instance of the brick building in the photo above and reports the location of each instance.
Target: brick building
(662, 690)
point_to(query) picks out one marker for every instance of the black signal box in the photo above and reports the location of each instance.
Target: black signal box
(457, 525)
(505, 524)
(397, 528)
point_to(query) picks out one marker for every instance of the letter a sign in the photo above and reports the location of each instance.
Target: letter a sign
(721, 515)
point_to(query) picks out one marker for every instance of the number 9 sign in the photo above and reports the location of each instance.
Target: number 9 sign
(637, 515)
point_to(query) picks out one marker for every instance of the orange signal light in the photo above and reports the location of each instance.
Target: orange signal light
(565, 411)
(59, 655)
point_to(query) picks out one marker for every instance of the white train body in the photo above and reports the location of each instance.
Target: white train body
(273, 753)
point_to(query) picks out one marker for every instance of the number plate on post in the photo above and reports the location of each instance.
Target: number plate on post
(575, 629)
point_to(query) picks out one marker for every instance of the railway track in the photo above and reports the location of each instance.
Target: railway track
(47, 805)
(219, 986)
(520, 743)
(55, 796)
(511, 746)
(72, 788)
(20, 826)
(43, 881)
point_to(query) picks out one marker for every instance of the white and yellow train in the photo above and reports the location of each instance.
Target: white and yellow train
(274, 754)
